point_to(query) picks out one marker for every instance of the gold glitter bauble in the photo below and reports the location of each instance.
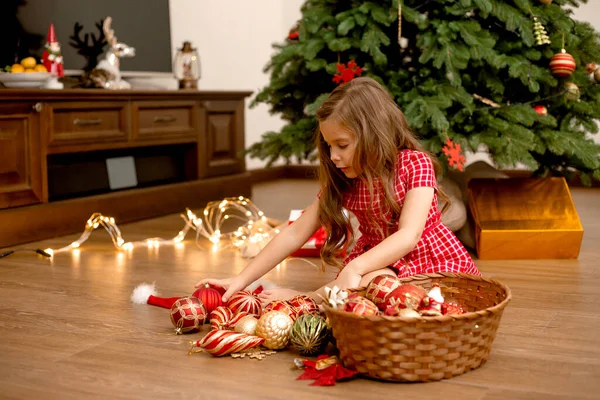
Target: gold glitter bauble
(274, 327)
(246, 325)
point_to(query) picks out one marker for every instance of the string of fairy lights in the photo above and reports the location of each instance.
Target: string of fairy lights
(254, 230)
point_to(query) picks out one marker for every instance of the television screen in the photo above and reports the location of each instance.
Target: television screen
(143, 24)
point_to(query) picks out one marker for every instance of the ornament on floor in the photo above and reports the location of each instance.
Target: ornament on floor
(256, 230)
(275, 328)
(187, 315)
(345, 73)
(304, 304)
(541, 110)
(246, 325)
(147, 294)
(220, 318)
(562, 64)
(325, 371)
(454, 154)
(52, 60)
(112, 58)
(281, 305)
(310, 334)
(210, 297)
(222, 343)
(245, 301)
(539, 33)
(572, 91)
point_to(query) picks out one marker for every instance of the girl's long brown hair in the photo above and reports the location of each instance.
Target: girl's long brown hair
(364, 108)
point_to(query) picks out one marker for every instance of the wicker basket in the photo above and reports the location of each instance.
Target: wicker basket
(426, 348)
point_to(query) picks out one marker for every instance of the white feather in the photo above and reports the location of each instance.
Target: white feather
(142, 292)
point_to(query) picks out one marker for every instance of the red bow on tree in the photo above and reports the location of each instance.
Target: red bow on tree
(326, 371)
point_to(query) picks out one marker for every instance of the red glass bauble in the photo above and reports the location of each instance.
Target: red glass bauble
(283, 306)
(405, 296)
(210, 297)
(245, 301)
(380, 287)
(187, 315)
(541, 110)
(452, 308)
(562, 64)
(303, 304)
(360, 305)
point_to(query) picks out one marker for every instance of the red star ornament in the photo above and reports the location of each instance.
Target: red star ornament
(345, 73)
(326, 371)
(454, 153)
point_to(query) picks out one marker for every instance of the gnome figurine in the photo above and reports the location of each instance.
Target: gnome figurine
(52, 60)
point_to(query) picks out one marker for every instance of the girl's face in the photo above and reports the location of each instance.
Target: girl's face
(341, 146)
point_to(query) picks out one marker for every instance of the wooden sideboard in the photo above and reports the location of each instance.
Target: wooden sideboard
(187, 147)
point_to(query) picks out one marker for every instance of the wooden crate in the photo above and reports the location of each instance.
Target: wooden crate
(524, 218)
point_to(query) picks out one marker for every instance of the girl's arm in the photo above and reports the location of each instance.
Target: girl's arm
(290, 239)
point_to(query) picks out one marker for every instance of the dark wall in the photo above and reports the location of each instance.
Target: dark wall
(143, 24)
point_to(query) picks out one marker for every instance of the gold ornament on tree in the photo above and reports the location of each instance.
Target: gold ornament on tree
(541, 37)
(572, 91)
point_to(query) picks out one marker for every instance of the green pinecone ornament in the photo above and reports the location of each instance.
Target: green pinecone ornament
(310, 334)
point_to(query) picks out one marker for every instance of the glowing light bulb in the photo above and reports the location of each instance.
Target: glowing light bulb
(74, 245)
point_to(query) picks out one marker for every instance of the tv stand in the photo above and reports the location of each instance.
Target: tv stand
(186, 147)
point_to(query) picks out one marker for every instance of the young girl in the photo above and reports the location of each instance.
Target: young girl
(372, 165)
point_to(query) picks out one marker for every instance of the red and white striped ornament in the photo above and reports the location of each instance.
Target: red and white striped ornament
(221, 343)
(562, 64)
(220, 318)
(245, 301)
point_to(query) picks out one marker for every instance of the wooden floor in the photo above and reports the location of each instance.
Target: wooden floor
(68, 329)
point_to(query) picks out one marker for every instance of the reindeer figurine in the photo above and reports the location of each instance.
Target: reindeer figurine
(111, 61)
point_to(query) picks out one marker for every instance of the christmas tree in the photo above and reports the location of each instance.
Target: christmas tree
(513, 78)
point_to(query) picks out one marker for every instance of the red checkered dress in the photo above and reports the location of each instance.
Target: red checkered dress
(438, 250)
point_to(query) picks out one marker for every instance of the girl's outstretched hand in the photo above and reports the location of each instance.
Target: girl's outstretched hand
(231, 285)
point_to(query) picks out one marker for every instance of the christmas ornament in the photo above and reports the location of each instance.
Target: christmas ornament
(360, 305)
(562, 64)
(326, 371)
(591, 67)
(303, 304)
(345, 73)
(541, 110)
(187, 315)
(597, 75)
(572, 91)
(211, 298)
(310, 334)
(274, 327)
(52, 58)
(397, 311)
(335, 296)
(237, 318)
(293, 35)
(380, 287)
(452, 308)
(539, 32)
(247, 325)
(221, 343)
(431, 305)
(454, 153)
(281, 305)
(245, 301)
(406, 296)
(146, 294)
(220, 317)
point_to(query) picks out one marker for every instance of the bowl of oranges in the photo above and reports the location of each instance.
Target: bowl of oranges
(26, 74)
